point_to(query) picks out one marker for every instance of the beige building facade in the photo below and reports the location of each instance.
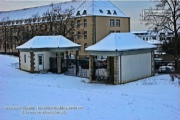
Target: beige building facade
(99, 27)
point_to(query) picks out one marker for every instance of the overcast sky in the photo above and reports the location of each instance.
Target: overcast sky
(131, 8)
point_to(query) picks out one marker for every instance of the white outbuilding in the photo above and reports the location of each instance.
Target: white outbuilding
(35, 54)
(128, 57)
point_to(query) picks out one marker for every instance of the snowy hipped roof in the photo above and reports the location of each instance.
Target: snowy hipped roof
(30, 12)
(98, 8)
(83, 8)
(120, 42)
(39, 42)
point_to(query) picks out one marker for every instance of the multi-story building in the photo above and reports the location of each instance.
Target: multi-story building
(93, 21)
(151, 35)
(156, 38)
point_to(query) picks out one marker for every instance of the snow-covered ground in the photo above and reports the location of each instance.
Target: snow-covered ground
(26, 96)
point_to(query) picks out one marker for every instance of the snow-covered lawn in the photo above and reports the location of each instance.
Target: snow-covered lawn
(26, 96)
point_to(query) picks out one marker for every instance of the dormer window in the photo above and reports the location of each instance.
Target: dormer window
(115, 13)
(78, 13)
(43, 19)
(108, 12)
(39, 19)
(16, 22)
(13, 22)
(100, 11)
(29, 20)
(84, 12)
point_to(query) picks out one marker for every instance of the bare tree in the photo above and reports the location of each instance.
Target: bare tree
(165, 15)
(62, 22)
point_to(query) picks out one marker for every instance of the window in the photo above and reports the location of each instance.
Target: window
(36, 27)
(154, 38)
(15, 30)
(100, 11)
(85, 22)
(72, 36)
(72, 24)
(115, 13)
(85, 45)
(108, 12)
(78, 23)
(25, 58)
(118, 31)
(111, 23)
(85, 34)
(112, 31)
(78, 35)
(78, 13)
(117, 23)
(84, 12)
(40, 59)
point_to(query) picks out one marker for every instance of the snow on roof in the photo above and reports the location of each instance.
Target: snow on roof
(140, 31)
(29, 12)
(120, 42)
(48, 42)
(98, 8)
(86, 7)
(154, 42)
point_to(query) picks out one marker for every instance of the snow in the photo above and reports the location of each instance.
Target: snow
(92, 8)
(154, 42)
(139, 31)
(48, 42)
(29, 12)
(154, 98)
(120, 42)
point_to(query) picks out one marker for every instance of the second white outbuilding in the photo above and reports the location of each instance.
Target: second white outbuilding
(128, 57)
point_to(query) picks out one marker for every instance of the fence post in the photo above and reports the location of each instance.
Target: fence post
(91, 66)
(32, 63)
(59, 64)
(77, 63)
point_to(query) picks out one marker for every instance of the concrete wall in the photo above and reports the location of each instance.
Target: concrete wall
(25, 65)
(134, 67)
(46, 56)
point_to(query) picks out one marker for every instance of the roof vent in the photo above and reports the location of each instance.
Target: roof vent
(100, 11)
(115, 13)
(78, 13)
(108, 12)
(84, 12)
